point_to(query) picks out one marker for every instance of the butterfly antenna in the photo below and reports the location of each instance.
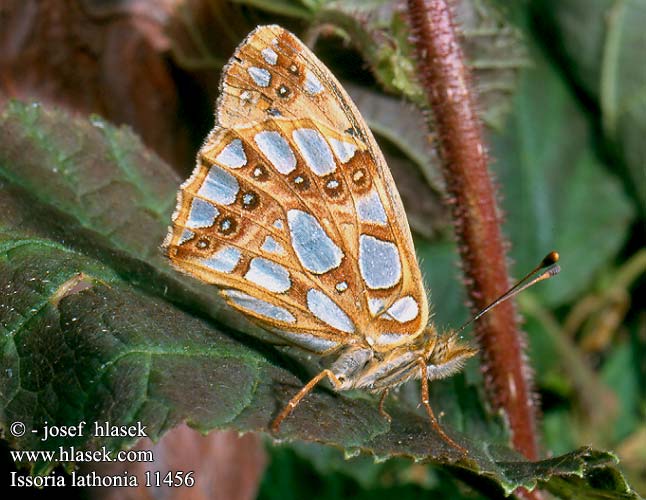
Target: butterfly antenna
(547, 267)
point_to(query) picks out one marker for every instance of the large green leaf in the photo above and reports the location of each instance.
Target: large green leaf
(602, 43)
(95, 326)
(556, 192)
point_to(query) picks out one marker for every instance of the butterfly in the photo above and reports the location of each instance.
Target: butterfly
(293, 213)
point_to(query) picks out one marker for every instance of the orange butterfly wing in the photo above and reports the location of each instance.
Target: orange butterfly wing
(292, 210)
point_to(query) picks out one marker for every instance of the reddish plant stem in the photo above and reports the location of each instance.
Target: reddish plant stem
(446, 79)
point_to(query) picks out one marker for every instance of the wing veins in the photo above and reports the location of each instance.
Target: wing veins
(397, 293)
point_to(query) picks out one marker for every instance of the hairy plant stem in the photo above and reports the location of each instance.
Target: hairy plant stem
(446, 80)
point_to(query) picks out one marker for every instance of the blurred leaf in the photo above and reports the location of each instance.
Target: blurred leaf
(633, 457)
(621, 373)
(556, 192)
(602, 43)
(569, 374)
(544, 356)
(439, 263)
(288, 8)
(83, 202)
(97, 57)
(203, 34)
(559, 431)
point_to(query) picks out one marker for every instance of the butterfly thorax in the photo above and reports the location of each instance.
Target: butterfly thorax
(362, 367)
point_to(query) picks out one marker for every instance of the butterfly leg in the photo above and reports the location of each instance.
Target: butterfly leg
(275, 425)
(382, 400)
(429, 410)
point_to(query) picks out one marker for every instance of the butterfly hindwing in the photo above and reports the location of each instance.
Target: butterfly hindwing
(292, 210)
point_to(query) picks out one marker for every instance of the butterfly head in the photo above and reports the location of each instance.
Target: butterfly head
(446, 354)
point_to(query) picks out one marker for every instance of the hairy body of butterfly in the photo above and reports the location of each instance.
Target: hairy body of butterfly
(293, 213)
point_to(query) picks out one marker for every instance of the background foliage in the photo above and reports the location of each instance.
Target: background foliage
(94, 322)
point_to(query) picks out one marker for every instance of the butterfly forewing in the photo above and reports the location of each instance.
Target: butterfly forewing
(292, 210)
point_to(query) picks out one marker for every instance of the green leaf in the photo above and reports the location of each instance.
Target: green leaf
(95, 326)
(557, 195)
(601, 483)
(439, 263)
(621, 373)
(603, 43)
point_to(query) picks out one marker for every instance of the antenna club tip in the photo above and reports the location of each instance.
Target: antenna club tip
(550, 259)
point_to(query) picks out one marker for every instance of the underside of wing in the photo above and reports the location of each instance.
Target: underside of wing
(232, 229)
(292, 210)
